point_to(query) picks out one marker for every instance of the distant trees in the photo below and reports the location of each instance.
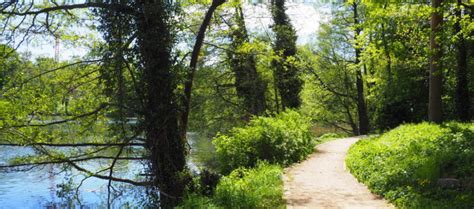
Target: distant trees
(340, 70)
(388, 67)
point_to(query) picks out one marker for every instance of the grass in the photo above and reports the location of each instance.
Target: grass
(404, 164)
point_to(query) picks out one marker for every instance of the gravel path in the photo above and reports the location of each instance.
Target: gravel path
(322, 181)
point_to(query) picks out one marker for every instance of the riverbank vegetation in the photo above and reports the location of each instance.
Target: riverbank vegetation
(283, 139)
(418, 166)
(258, 187)
(252, 157)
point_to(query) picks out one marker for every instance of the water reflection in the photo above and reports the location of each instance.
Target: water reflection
(54, 187)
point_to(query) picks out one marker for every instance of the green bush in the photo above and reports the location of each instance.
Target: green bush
(283, 139)
(197, 201)
(260, 187)
(404, 164)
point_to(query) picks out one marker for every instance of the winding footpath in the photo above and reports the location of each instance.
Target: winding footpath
(322, 181)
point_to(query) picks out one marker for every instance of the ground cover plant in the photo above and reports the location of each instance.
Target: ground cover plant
(408, 165)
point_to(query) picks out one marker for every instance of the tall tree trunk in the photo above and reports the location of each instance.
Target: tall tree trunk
(250, 87)
(286, 73)
(361, 106)
(462, 84)
(188, 84)
(163, 140)
(387, 55)
(435, 113)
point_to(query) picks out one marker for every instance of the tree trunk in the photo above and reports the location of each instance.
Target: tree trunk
(188, 84)
(361, 106)
(163, 140)
(387, 55)
(435, 113)
(462, 83)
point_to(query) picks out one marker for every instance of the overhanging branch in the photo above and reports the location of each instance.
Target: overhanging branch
(118, 7)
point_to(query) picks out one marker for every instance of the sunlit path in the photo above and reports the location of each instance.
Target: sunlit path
(322, 181)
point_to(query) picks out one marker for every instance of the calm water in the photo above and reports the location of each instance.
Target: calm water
(41, 187)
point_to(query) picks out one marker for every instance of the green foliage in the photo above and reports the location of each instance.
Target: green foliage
(260, 187)
(330, 136)
(286, 72)
(197, 202)
(404, 164)
(283, 139)
(394, 60)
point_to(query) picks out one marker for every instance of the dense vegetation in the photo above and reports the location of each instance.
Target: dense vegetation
(260, 187)
(405, 165)
(254, 155)
(283, 139)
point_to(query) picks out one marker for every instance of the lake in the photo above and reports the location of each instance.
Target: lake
(51, 187)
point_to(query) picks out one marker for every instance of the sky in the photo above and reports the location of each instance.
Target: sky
(305, 15)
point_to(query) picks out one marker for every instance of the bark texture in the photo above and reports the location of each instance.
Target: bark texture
(361, 105)
(164, 142)
(435, 113)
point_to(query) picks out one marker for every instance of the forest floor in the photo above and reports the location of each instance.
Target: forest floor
(322, 181)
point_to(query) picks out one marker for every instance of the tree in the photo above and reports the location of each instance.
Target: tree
(286, 72)
(435, 113)
(140, 40)
(248, 83)
(361, 106)
(462, 84)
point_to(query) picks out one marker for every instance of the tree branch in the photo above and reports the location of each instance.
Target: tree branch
(101, 107)
(73, 144)
(117, 7)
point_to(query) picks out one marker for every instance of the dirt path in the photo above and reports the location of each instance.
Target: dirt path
(322, 181)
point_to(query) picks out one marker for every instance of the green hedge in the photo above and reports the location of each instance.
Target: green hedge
(403, 165)
(283, 139)
(260, 187)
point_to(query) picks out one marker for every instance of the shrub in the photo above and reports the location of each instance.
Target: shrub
(197, 201)
(260, 187)
(283, 139)
(404, 164)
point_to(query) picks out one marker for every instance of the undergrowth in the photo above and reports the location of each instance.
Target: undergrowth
(252, 158)
(283, 140)
(404, 165)
(260, 187)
